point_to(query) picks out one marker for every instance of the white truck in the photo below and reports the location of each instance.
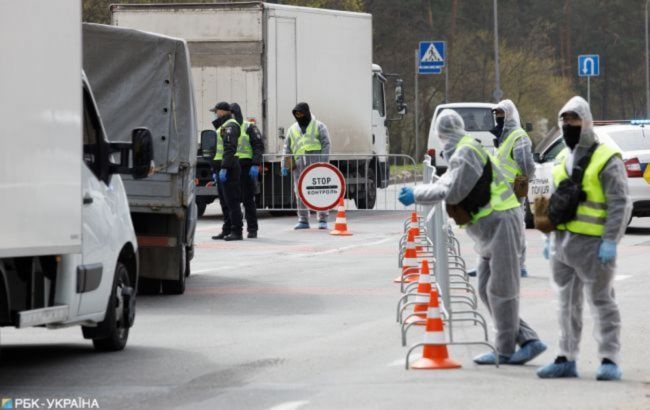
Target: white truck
(68, 251)
(267, 57)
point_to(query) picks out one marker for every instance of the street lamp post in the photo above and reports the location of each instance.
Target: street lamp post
(497, 80)
(647, 66)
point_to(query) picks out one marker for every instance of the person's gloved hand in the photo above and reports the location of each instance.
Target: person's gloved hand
(214, 177)
(223, 175)
(406, 196)
(607, 251)
(547, 250)
(284, 171)
(254, 172)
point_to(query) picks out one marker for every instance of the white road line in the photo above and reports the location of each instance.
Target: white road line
(622, 277)
(396, 363)
(290, 405)
(341, 249)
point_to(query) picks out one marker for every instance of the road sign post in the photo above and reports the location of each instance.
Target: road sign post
(588, 66)
(430, 58)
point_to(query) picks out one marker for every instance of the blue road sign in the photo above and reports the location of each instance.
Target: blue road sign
(589, 65)
(431, 57)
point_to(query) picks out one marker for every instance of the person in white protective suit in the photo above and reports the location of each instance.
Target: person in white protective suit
(515, 155)
(495, 227)
(585, 247)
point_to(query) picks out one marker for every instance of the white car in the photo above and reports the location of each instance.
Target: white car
(631, 138)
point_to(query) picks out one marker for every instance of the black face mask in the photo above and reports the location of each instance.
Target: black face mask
(571, 135)
(304, 121)
(496, 131)
(218, 122)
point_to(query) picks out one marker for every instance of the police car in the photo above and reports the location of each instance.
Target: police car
(631, 138)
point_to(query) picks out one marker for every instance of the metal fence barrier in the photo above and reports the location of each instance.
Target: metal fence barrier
(442, 249)
(371, 183)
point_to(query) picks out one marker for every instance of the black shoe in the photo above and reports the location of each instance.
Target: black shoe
(222, 235)
(252, 235)
(233, 237)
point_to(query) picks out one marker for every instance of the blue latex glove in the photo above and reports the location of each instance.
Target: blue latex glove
(607, 251)
(214, 177)
(223, 175)
(406, 196)
(547, 250)
(254, 172)
(284, 171)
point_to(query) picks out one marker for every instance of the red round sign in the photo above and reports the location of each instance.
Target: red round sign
(321, 186)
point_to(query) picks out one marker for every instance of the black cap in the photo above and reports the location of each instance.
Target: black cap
(221, 106)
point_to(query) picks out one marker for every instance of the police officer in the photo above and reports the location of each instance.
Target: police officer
(585, 248)
(250, 150)
(311, 137)
(515, 155)
(228, 172)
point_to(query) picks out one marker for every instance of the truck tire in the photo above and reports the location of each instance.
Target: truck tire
(177, 286)
(366, 199)
(113, 331)
(200, 208)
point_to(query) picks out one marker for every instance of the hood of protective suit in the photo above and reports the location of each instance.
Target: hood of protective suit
(511, 121)
(302, 107)
(581, 108)
(235, 109)
(451, 129)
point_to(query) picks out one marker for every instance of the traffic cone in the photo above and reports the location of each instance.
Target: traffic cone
(409, 262)
(434, 356)
(341, 225)
(415, 228)
(421, 302)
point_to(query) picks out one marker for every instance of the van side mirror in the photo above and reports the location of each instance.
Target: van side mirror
(208, 143)
(140, 149)
(529, 127)
(399, 96)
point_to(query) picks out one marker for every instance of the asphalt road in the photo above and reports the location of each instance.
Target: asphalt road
(305, 320)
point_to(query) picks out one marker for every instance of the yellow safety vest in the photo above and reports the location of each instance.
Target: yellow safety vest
(501, 196)
(244, 148)
(218, 152)
(507, 162)
(592, 213)
(301, 143)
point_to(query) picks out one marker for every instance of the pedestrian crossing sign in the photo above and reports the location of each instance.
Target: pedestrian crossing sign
(431, 57)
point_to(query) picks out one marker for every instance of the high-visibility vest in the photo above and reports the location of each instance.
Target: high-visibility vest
(301, 143)
(218, 152)
(509, 166)
(501, 196)
(592, 213)
(244, 148)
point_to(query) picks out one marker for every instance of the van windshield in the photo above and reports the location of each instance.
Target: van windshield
(476, 119)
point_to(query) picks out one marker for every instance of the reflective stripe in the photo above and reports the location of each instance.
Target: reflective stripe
(411, 262)
(591, 219)
(424, 279)
(433, 313)
(421, 299)
(342, 221)
(595, 205)
(434, 338)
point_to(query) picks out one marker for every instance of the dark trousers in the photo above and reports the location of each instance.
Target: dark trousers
(248, 198)
(232, 194)
(226, 227)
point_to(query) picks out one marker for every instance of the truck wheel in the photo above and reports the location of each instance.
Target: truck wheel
(367, 192)
(200, 208)
(177, 286)
(148, 286)
(114, 329)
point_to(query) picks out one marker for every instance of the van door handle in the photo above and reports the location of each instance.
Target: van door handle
(88, 200)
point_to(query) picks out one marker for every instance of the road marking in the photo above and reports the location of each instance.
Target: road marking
(396, 363)
(290, 405)
(622, 277)
(342, 249)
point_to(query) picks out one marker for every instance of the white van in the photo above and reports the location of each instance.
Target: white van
(68, 251)
(478, 119)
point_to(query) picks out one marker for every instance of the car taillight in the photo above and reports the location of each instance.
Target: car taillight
(633, 167)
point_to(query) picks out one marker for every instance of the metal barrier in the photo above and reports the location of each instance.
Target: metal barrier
(371, 183)
(442, 249)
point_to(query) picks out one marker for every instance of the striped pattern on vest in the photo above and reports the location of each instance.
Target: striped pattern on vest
(301, 143)
(507, 162)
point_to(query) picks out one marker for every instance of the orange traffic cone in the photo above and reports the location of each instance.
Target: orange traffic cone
(434, 356)
(341, 225)
(421, 302)
(409, 262)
